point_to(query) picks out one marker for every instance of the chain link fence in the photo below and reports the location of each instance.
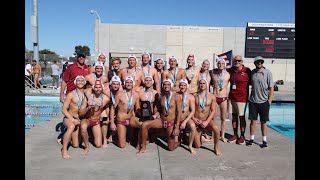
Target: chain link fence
(46, 60)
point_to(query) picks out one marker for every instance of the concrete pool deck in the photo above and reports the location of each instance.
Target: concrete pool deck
(43, 159)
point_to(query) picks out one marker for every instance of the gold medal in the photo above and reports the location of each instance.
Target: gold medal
(128, 111)
(220, 89)
(182, 111)
(167, 114)
(202, 110)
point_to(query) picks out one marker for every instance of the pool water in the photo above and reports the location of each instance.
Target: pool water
(282, 119)
(39, 109)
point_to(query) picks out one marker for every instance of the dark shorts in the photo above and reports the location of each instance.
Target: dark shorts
(259, 108)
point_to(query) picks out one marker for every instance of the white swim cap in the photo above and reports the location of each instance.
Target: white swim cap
(167, 80)
(115, 79)
(80, 76)
(221, 59)
(132, 56)
(145, 53)
(184, 81)
(98, 63)
(129, 78)
(150, 78)
(203, 79)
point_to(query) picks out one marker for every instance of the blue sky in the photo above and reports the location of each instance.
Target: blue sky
(64, 24)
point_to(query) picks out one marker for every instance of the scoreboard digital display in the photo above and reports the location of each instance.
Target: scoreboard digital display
(270, 40)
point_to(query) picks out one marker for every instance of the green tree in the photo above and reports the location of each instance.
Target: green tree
(47, 55)
(44, 55)
(46, 51)
(82, 49)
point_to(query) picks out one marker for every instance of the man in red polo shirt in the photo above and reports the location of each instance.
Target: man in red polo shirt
(238, 94)
(74, 70)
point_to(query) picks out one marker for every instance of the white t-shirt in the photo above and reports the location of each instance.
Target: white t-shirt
(55, 69)
(28, 66)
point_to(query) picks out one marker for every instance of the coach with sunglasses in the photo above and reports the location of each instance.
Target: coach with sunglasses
(238, 95)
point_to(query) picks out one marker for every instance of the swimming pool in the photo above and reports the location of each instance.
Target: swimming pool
(282, 119)
(39, 109)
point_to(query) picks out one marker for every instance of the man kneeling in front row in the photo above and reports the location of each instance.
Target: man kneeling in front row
(205, 105)
(92, 115)
(169, 119)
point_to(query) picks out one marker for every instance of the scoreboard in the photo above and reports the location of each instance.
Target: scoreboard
(270, 40)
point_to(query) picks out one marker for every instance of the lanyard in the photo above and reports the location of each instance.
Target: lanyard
(129, 100)
(203, 101)
(206, 76)
(95, 77)
(147, 72)
(94, 100)
(134, 74)
(114, 72)
(167, 103)
(174, 77)
(192, 74)
(145, 92)
(221, 81)
(113, 98)
(184, 98)
(78, 98)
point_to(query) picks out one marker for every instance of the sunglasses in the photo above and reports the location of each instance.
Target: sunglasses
(259, 62)
(237, 60)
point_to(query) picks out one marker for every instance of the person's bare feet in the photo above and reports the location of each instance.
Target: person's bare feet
(204, 139)
(207, 136)
(105, 145)
(86, 151)
(192, 151)
(110, 139)
(65, 154)
(223, 139)
(217, 151)
(141, 151)
(138, 146)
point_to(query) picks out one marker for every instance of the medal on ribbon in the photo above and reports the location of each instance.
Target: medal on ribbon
(203, 102)
(220, 81)
(184, 98)
(174, 76)
(167, 103)
(128, 100)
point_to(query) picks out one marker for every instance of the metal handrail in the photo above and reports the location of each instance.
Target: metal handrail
(27, 84)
